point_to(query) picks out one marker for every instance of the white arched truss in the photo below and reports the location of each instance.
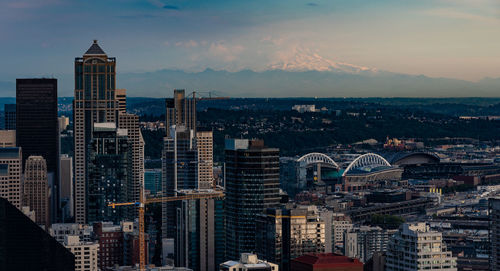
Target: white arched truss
(369, 159)
(316, 157)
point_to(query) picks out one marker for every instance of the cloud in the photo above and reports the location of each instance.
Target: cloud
(311, 4)
(171, 7)
(227, 53)
(187, 44)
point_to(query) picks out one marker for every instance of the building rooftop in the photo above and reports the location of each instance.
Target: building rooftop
(95, 49)
(12, 152)
(326, 259)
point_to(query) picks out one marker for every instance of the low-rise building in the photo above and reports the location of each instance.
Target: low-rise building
(86, 258)
(248, 262)
(325, 262)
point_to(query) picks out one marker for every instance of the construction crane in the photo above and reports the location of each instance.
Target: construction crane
(143, 201)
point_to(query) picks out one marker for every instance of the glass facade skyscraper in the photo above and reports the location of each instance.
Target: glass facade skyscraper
(252, 186)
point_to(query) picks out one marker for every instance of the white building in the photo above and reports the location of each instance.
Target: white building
(248, 262)
(85, 253)
(301, 108)
(416, 247)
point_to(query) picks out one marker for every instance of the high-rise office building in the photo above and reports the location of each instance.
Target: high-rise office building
(180, 110)
(494, 229)
(10, 116)
(415, 247)
(252, 186)
(67, 190)
(153, 181)
(195, 243)
(283, 234)
(37, 128)
(36, 189)
(121, 99)
(94, 102)
(109, 173)
(205, 146)
(179, 172)
(10, 175)
(130, 122)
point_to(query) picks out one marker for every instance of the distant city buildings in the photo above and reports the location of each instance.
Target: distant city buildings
(63, 123)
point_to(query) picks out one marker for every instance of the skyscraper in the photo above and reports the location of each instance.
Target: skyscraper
(37, 128)
(180, 110)
(179, 172)
(109, 173)
(252, 186)
(205, 146)
(121, 99)
(130, 122)
(10, 175)
(36, 189)
(10, 116)
(195, 243)
(94, 102)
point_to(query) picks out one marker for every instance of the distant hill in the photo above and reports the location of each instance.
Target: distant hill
(289, 83)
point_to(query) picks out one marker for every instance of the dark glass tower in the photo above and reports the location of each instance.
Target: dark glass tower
(109, 172)
(10, 116)
(252, 186)
(37, 128)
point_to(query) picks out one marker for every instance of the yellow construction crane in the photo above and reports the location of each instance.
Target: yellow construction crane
(141, 205)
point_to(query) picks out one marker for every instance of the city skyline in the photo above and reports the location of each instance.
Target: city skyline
(437, 38)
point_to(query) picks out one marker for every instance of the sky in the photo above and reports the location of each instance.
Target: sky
(457, 39)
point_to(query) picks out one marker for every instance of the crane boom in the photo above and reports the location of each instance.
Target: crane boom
(141, 205)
